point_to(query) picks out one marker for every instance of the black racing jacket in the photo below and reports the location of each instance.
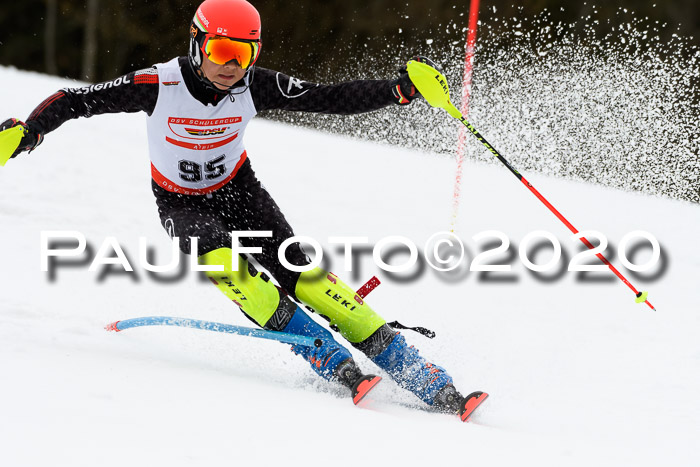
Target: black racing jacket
(138, 91)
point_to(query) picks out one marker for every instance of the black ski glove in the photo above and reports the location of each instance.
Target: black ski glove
(402, 87)
(32, 135)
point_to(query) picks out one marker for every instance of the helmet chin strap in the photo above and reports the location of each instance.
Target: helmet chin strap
(209, 84)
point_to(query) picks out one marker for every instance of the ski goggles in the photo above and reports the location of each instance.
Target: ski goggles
(222, 50)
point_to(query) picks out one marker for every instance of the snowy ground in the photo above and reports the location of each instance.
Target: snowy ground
(578, 373)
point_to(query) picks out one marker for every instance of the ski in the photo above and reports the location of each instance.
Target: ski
(363, 386)
(283, 337)
(470, 404)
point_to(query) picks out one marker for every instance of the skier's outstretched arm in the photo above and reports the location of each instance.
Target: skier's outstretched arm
(134, 92)
(272, 90)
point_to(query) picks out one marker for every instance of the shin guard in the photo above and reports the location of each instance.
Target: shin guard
(334, 300)
(251, 290)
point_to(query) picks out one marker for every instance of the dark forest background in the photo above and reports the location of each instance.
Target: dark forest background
(95, 40)
(604, 91)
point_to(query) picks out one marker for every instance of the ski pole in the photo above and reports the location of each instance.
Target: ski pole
(212, 326)
(9, 141)
(433, 86)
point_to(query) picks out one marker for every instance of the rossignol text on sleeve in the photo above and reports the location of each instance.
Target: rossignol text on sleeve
(134, 92)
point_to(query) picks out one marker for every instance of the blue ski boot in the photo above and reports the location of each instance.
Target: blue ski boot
(411, 371)
(429, 382)
(331, 360)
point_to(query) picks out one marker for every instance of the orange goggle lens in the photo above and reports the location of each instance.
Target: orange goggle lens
(222, 50)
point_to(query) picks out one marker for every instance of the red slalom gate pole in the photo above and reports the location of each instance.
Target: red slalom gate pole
(466, 96)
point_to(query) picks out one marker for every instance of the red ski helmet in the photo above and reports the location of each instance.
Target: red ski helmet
(225, 30)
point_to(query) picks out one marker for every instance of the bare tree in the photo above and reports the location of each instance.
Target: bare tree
(50, 37)
(90, 41)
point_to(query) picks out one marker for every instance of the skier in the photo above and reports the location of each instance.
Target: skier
(198, 107)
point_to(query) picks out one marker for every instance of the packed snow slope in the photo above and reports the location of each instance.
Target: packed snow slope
(579, 374)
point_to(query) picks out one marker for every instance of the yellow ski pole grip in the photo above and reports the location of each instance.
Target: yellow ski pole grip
(432, 85)
(9, 142)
